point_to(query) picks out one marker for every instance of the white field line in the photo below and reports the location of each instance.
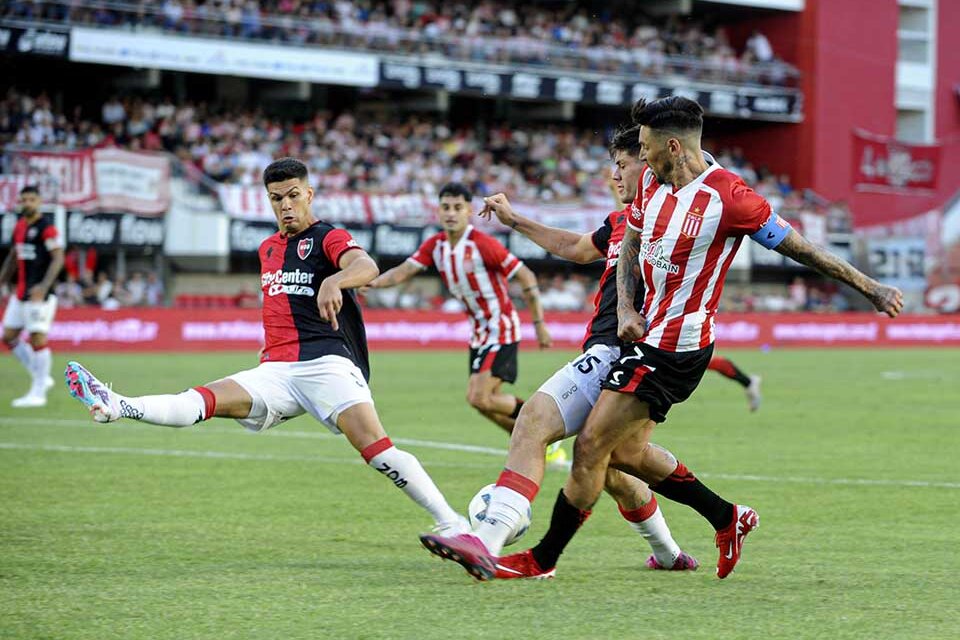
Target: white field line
(448, 446)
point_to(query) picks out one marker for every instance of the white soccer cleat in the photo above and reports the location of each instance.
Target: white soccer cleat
(753, 392)
(29, 401)
(104, 404)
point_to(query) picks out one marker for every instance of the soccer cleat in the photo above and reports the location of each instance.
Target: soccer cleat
(104, 404)
(453, 528)
(730, 539)
(753, 392)
(522, 565)
(465, 549)
(684, 562)
(29, 401)
(556, 455)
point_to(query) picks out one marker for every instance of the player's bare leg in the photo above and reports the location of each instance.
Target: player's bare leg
(484, 395)
(362, 428)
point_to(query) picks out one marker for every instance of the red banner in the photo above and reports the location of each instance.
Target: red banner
(132, 330)
(111, 180)
(883, 164)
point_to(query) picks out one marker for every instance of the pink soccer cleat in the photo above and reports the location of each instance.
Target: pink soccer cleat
(522, 565)
(103, 404)
(730, 539)
(465, 549)
(684, 562)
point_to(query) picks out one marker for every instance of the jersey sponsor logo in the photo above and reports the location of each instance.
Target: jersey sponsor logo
(613, 253)
(26, 251)
(692, 223)
(294, 283)
(652, 253)
(304, 247)
(32, 233)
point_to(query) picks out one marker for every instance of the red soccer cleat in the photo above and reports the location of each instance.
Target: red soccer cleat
(465, 549)
(684, 562)
(522, 565)
(730, 539)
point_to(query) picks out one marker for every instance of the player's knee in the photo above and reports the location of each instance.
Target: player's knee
(535, 426)
(586, 453)
(479, 400)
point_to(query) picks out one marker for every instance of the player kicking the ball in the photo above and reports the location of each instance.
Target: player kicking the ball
(560, 406)
(315, 355)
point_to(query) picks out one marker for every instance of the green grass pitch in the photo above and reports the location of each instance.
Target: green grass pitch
(132, 531)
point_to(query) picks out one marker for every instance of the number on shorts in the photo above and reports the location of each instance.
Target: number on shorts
(585, 363)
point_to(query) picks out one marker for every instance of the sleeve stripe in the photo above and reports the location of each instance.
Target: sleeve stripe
(516, 268)
(416, 262)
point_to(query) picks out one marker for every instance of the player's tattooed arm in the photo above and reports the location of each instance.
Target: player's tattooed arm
(888, 300)
(631, 324)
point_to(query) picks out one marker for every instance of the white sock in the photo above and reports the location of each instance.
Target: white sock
(179, 410)
(506, 510)
(405, 471)
(42, 359)
(24, 353)
(656, 532)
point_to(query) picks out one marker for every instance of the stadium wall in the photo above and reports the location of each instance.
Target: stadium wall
(171, 330)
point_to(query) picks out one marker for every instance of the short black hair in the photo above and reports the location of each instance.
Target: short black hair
(284, 169)
(455, 189)
(675, 113)
(625, 138)
(30, 188)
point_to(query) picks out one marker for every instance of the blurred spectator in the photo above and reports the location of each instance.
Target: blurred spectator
(154, 291)
(136, 290)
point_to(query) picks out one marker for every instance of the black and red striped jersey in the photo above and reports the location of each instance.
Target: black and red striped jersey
(602, 328)
(33, 244)
(291, 271)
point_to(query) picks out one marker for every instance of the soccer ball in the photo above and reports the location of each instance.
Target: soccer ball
(478, 511)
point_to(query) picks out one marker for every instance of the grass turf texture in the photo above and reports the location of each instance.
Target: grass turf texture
(210, 532)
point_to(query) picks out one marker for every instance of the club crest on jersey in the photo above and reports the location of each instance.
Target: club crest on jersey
(692, 223)
(304, 247)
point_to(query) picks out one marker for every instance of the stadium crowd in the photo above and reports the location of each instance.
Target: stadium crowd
(548, 162)
(616, 39)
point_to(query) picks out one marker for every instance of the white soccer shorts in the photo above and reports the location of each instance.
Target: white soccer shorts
(35, 317)
(576, 387)
(324, 387)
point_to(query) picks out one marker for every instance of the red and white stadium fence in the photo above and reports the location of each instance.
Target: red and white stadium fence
(135, 329)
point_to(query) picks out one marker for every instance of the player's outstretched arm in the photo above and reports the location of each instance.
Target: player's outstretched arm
(631, 325)
(392, 277)
(565, 244)
(886, 299)
(356, 270)
(531, 295)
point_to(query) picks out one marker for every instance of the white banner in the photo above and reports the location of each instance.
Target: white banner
(155, 51)
(128, 181)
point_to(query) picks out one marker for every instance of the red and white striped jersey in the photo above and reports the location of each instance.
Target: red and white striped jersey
(689, 237)
(476, 271)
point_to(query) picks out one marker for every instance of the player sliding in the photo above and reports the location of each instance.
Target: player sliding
(560, 406)
(684, 229)
(315, 355)
(475, 269)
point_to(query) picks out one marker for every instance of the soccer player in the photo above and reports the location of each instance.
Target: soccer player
(560, 406)
(684, 228)
(475, 269)
(315, 355)
(36, 255)
(750, 384)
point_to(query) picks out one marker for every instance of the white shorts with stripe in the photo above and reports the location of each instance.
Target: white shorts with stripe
(576, 387)
(324, 387)
(35, 317)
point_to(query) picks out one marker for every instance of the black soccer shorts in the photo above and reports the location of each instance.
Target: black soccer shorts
(499, 359)
(659, 378)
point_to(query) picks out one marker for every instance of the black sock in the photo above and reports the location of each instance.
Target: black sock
(740, 376)
(516, 409)
(564, 522)
(684, 487)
